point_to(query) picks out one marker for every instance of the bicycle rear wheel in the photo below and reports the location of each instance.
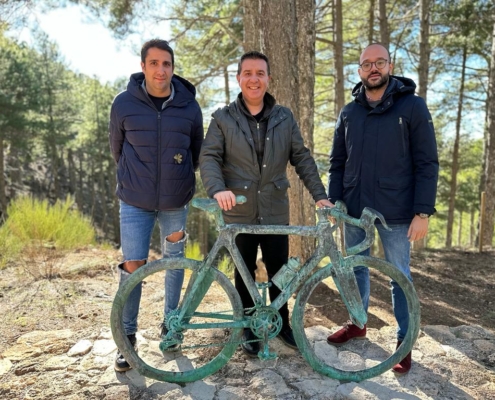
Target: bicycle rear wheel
(208, 337)
(317, 352)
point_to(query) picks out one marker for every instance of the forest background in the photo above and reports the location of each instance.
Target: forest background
(54, 121)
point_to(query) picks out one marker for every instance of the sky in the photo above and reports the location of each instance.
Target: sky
(89, 48)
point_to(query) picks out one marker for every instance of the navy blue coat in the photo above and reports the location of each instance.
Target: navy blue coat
(156, 151)
(385, 158)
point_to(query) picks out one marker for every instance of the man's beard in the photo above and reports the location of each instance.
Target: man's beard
(378, 85)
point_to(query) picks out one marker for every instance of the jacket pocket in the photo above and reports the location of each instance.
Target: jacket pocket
(242, 213)
(350, 181)
(238, 185)
(404, 136)
(279, 197)
(122, 170)
(395, 196)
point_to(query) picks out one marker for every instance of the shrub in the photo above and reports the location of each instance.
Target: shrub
(193, 251)
(226, 265)
(34, 229)
(10, 247)
(35, 222)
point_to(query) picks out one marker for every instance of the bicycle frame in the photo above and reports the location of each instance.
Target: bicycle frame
(326, 246)
(265, 321)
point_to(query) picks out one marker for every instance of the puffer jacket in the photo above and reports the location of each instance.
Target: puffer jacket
(385, 157)
(156, 151)
(228, 161)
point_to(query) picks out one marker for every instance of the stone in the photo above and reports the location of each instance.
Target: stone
(472, 332)
(486, 346)
(5, 366)
(103, 347)
(135, 379)
(440, 333)
(44, 336)
(105, 333)
(160, 388)
(350, 361)
(57, 362)
(231, 393)
(22, 351)
(268, 384)
(200, 390)
(317, 388)
(326, 352)
(80, 348)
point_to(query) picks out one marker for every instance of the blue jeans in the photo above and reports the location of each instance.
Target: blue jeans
(136, 227)
(397, 250)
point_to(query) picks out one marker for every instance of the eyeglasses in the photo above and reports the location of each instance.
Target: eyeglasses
(366, 66)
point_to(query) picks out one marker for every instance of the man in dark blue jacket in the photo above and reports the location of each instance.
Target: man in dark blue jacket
(156, 132)
(384, 156)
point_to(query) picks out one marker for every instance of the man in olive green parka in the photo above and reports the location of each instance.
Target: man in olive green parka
(245, 152)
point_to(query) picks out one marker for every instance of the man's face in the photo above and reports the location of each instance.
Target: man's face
(375, 78)
(253, 80)
(158, 71)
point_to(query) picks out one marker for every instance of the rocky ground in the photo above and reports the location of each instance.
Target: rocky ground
(55, 342)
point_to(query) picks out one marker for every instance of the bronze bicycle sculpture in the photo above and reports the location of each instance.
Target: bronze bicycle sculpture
(186, 322)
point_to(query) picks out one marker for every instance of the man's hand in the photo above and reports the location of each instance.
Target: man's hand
(418, 228)
(324, 203)
(226, 199)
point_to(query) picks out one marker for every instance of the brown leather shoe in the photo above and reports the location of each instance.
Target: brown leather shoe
(405, 365)
(348, 332)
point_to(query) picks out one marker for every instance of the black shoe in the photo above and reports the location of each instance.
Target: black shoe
(251, 349)
(287, 337)
(121, 365)
(172, 347)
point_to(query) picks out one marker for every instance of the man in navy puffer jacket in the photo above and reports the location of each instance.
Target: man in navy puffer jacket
(384, 156)
(156, 132)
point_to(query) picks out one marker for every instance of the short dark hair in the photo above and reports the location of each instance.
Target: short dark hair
(253, 55)
(159, 44)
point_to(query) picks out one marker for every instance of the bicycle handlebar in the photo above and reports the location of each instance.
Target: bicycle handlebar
(365, 222)
(211, 205)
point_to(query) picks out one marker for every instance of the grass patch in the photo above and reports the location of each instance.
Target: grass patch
(39, 233)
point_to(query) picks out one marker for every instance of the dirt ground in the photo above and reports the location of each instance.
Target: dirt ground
(454, 287)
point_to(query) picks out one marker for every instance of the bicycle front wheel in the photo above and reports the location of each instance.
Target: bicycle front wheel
(206, 336)
(324, 358)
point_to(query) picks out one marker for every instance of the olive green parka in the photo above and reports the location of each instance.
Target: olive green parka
(228, 161)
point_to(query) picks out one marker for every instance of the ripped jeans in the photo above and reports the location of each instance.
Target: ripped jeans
(136, 227)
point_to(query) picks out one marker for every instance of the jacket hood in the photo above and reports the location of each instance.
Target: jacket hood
(397, 84)
(184, 90)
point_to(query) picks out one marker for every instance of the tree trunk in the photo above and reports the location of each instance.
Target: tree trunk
(424, 61)
(338, 57)
(227, 86)
(371, 22)
(3, 198)
(459, 231)
(284, 30)
(384, 33)
(455, 154)
(489, 172)
(424, 47)
(472, 230)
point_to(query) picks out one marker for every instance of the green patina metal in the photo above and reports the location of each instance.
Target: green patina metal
(264, 320)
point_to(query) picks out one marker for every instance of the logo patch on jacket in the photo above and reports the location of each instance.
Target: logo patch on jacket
(178, 158)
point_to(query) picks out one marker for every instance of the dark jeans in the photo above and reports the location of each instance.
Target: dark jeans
(275, 252)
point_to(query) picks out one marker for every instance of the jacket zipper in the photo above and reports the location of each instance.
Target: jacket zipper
(402, 137)
(158, 169)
